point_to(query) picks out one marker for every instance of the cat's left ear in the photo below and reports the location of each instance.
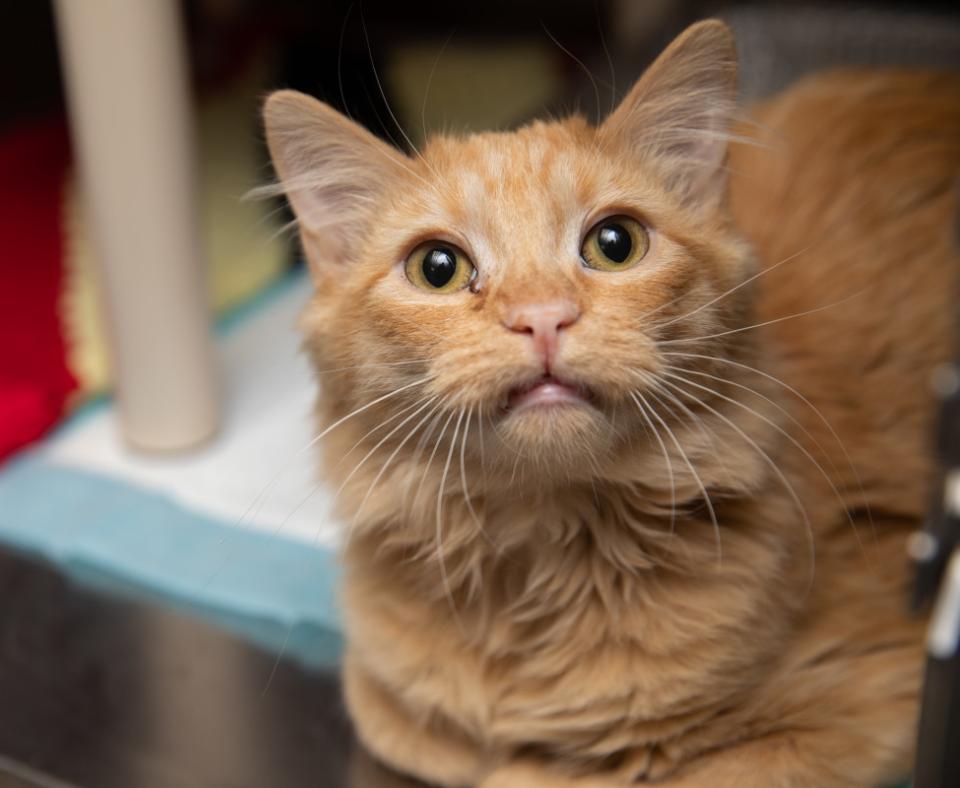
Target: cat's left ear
(679, 112)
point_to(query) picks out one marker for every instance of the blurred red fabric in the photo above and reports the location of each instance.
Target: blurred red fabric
(34, 379)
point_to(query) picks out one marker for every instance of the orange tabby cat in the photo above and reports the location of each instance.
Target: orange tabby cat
(630, 428)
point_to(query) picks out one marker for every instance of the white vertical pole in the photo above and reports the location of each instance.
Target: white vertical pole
(125, 70)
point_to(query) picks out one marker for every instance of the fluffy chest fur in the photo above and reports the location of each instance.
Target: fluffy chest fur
(561, 644)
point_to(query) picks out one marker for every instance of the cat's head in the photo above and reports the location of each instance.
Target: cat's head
(511, 292)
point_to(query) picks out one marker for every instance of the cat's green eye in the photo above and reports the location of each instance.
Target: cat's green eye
(439, 267)
(615, 244)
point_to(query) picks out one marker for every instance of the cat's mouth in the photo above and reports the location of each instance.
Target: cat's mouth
(546, 391)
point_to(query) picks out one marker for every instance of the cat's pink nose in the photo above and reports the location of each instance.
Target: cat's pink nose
(543, 322)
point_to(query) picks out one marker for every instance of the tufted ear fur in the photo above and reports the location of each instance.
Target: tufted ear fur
(331, 169)
(680, 110)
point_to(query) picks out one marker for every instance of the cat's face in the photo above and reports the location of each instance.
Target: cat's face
(518, 284)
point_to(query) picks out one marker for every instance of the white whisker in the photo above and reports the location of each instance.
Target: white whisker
(765, 323)
(667, 462)
(313, 442)
(371, 365)
(736, 287)
(440, 553)
(386, 464)
(463, 472)
(799, 395)
(772, 465)
(386, 104)
(429, 463)
(696, 476)
(694, 418)
(780, 430)
(363, 461)
(254, 508)
(376, 428)
(579, 62)
(426, 90)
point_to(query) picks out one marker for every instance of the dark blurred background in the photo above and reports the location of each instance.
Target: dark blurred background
(312, 46)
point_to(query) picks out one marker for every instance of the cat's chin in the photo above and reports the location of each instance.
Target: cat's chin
(555, 432)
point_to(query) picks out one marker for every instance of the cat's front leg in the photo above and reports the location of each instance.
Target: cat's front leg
(784, 760)
(392, 736)
(531, 774)
(809, 759)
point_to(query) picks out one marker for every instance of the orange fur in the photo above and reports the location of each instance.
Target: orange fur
(551, 599)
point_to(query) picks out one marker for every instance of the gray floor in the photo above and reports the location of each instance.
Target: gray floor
(97, 691)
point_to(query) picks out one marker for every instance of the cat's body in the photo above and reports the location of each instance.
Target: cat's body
(545, 597)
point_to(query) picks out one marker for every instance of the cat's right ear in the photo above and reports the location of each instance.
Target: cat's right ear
(681, 109)
(331, 169)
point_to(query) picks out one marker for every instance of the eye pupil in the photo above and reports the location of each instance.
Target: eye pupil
(439, 265)
(615, 242)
